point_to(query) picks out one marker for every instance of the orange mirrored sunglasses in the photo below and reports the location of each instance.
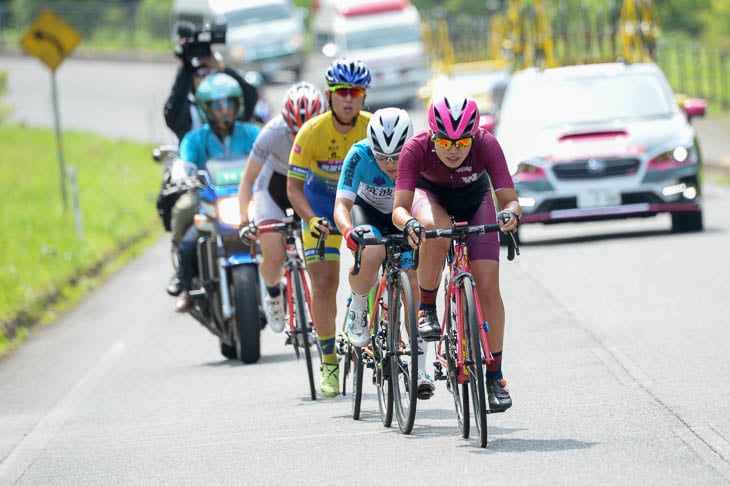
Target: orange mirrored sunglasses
(345, 91)
(447, 143)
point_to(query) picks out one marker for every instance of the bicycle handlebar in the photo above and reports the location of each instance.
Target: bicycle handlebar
(395, 240)
(461, 230)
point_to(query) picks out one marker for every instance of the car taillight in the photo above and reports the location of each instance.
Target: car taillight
(528, 172)
(671, 159)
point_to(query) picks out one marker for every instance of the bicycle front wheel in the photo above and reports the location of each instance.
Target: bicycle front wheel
(381, 365)
(303, 332)
(460, 393)
(402, 334)
(474, 360)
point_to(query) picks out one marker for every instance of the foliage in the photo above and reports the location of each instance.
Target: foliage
(41, 250)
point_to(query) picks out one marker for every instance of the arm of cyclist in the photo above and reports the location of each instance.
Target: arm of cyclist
(245, 194)
(509, 217)
(404, 220)
(295, 191)
(343, 221)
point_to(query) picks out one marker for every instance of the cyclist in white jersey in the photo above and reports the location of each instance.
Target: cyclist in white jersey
(262, 192)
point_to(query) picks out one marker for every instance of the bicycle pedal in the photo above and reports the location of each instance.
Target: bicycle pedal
(197, 294)
(424, 395)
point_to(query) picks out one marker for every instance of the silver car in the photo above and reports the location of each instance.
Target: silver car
(601, 141)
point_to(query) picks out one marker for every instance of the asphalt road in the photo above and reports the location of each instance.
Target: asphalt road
(616, 354)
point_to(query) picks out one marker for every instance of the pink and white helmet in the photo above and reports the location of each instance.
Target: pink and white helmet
(453, 117)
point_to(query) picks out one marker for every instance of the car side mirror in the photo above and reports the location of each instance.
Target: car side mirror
(694, 107)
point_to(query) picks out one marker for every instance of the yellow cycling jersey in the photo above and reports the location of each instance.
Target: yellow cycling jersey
(318, 154)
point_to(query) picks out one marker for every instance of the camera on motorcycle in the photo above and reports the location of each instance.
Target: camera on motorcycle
(195, 41)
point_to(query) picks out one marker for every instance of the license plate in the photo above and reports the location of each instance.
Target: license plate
(598, 198)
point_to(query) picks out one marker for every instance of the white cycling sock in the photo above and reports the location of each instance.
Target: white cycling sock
(359, 302)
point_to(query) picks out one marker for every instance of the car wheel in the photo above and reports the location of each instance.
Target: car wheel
(687, 222)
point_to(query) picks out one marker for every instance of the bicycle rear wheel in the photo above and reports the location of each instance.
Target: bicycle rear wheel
(404, 351)
(303, 331)
(474, 360)
(381, 365)
(459, 393)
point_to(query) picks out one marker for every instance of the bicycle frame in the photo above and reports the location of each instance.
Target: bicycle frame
(460, 269)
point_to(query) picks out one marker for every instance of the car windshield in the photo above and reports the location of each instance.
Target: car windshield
(257, 15)
(553, 102)
(382, 37)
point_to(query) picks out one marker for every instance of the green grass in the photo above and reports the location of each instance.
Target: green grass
(42, 259)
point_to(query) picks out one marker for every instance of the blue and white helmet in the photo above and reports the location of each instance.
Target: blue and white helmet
(349, 72)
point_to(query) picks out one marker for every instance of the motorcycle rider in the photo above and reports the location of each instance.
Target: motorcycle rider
(220, 101)
(264, 183)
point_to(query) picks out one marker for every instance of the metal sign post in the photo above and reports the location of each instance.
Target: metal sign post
(52, 40)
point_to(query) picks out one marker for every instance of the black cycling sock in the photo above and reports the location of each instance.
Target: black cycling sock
(494, 369)
(428, 298)
(273, 291)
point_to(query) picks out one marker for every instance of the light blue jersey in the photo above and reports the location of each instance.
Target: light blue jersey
(201, 144)
(361, 176)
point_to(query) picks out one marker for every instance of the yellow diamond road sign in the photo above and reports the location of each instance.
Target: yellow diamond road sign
(50, 39)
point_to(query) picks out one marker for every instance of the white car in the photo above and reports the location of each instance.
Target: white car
(601, 141)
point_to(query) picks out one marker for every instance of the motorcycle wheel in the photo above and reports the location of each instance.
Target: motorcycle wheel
(248, 324)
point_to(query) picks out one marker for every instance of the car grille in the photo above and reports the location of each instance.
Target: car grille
(595, 168)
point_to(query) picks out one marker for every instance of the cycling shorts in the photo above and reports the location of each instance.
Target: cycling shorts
(480, 247)
(269, 197)
(364, 216)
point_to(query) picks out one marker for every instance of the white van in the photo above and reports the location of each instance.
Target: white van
(262, 35)
(384, 34)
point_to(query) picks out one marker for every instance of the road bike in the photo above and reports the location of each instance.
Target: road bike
(301, 331)
(463, 350)
(393, 350)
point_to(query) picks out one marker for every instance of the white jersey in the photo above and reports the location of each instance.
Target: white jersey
(271, 149)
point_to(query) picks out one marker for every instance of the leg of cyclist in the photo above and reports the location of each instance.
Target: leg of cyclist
(271, 268)
(484, 257)
(273, 249)
(325, 279)
(432, 257)
(361, 284)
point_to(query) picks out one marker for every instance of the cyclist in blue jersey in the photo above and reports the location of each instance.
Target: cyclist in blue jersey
(364, 204)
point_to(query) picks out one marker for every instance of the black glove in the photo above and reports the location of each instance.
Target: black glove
(505, 215)
(247, 232)
(414, 225)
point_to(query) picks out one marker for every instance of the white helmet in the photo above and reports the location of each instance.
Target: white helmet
(388, 130)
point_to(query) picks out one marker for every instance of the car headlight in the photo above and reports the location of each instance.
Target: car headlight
(528, 172)
(229, 211)
(677, 157)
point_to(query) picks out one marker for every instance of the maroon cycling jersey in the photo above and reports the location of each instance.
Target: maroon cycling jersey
(418, 160)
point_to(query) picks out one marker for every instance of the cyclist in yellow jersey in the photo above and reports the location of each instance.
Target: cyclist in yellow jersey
(315, 163)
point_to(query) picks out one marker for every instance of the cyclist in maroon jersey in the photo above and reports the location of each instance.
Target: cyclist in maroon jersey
(449, 170)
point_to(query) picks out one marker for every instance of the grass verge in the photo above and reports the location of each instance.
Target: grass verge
(46, 264)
